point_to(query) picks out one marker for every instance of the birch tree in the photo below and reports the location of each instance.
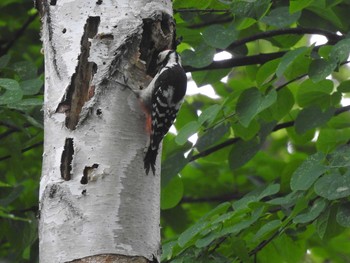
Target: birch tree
(95, 200)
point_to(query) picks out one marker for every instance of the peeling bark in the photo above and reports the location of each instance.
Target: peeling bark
(80, 91)
(96, 203)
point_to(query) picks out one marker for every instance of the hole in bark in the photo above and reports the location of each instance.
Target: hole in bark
(83, 192)
(66, 159)
(64, 30)
(99, 2)
(86, 173)
(79, 90)
(158, 35)
(98, 112)
(53, 2)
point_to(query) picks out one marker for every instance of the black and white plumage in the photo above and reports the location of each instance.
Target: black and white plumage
(161, 101)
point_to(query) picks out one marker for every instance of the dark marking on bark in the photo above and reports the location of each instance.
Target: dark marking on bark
(53, 2)
(86, 173)
(43, 7)
(64, 30)
(66, 159)
(158, 35)
(83, 192)
(99, 2)
(53, 191)
(80, 91)
(98, 112)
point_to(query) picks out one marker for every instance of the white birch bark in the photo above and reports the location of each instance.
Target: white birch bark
(94, 195)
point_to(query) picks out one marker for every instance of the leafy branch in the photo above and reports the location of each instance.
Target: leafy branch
(232, 141)
(333, 38)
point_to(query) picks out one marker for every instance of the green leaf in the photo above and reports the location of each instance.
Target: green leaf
(172, 165)
(188, 235)
(199, 58)
(31, 87)
(340, 51)
(218, 36)
(283, 105)
(9, 84)
(187, 131)
(256, 196)
(12, 196)
(240, 248)
(11, 96)
(246, 133)
(319, 69)
(209, 114)
(2, 184)
(267, 229)
(242, 223)
(269, 190)
(312, 117)
(254, 9)
(310, 93)
(25, 69)
(308, 172)
(288, 200)
(328, 139)
(205, 77)
(333, 186)
(251, 102)
(28, 103)
(242, 152)
(280, 17)
(298, 5)
(322, 223)
(4, 60)
(267, 71)
(172, 193)
(326, 225)
(317, 208)
(212, 136)
(288, 59)
(344, 87)
(343, 215)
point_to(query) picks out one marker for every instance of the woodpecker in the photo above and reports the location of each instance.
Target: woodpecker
(161, 101)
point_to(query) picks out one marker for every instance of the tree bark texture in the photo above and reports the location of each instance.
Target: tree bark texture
(95, 198)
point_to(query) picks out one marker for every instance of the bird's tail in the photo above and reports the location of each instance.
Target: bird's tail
(150, 160)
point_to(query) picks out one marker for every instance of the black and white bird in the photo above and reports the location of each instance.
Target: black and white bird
(161, 101)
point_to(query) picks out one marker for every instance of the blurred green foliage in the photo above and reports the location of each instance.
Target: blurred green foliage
(21, 130)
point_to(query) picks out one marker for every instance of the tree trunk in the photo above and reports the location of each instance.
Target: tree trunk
(96, 203)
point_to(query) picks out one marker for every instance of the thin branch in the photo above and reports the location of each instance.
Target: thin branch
(219, 198)
(214, 149)
(218, 20)
(12, 129)
(23, 150)
(18, 34)
(237, 62)
(332, 37)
